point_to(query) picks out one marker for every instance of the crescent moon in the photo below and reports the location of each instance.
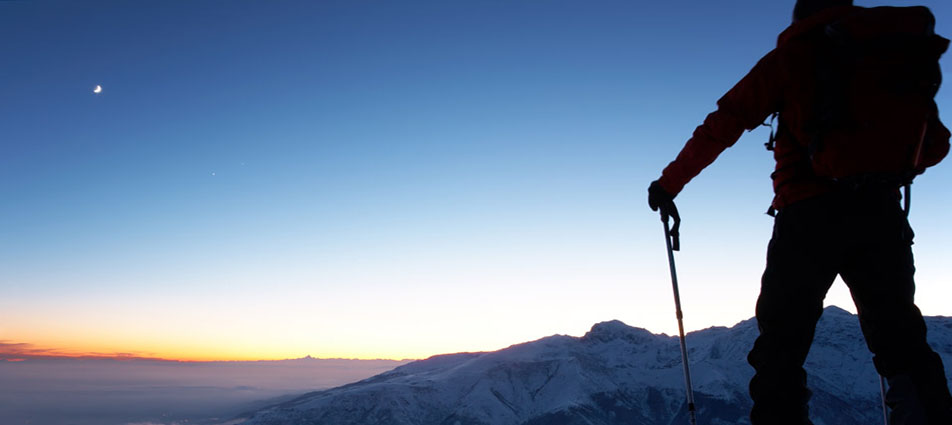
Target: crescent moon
(98, 89)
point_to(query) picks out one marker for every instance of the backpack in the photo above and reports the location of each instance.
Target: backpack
(877, 74)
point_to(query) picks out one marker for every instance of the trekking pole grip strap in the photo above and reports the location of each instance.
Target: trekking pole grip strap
(671, 211)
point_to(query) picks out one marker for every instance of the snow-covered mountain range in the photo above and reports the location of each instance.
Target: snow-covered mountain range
(614, 374)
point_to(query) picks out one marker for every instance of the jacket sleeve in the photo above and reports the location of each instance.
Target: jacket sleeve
(745, 106)
(935, 145)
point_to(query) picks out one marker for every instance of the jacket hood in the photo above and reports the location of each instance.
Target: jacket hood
(822, 17)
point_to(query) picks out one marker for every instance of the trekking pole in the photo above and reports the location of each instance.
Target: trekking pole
(906, 206)
(907, 198)
(882, 394)
(671, 239)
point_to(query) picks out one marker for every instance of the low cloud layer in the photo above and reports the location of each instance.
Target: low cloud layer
(44, 390)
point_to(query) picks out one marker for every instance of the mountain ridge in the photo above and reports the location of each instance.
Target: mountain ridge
(613, 374)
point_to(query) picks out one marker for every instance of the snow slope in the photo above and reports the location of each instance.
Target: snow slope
(614, 374)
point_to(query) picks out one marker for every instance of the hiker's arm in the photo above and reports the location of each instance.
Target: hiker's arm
(744, 107)
(935, 145)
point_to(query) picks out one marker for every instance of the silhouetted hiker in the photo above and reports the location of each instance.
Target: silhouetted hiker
(854, 91)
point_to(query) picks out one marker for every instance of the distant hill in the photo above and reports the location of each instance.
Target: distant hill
(614, 374)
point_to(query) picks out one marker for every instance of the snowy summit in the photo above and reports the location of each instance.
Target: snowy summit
(614, 374)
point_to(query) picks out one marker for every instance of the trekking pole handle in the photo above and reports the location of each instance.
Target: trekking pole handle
(673, 234)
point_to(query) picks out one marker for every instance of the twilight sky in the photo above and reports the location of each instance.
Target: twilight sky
(272, 179)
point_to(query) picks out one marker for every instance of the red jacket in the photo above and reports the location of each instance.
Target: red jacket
(780, 82)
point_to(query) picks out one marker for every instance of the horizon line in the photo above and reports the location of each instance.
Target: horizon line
(23, 357)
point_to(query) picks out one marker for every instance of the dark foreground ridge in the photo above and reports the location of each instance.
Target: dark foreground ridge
(614, 374)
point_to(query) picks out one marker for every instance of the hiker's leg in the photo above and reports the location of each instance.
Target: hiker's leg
(799, 272)
(879, 271)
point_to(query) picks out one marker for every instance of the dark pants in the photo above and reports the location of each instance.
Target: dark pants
(864, 237)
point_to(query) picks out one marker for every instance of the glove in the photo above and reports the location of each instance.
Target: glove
(658, 198)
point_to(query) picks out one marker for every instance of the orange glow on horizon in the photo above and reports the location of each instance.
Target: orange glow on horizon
(184, 355)
(188, 358)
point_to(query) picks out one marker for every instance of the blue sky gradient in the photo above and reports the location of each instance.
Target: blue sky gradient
(391, 179)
